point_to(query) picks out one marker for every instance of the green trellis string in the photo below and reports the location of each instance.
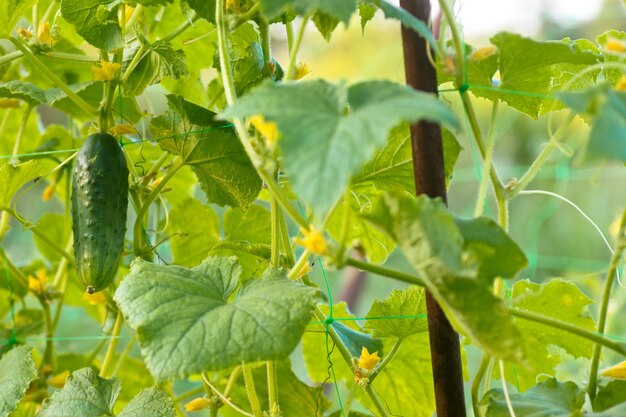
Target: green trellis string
(466, 86)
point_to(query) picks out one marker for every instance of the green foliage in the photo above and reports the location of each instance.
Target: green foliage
(17, 371)
(340, 10)
(194, 229)
(24, 91)
(548, 399)
(264, 320)
(95, 22)
(211, 149)
(86, 394)
(610, 395)
(14, 177)
(56, 227)
(437, 247)
(558, 299)
(10, 13)
(388, 318)
(320, 123)
(605, 107)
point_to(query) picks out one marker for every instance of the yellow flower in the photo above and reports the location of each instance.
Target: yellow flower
(615, 45)
(302, 70)
(621, 84)
(313, 240)
(24, 33)
(483, 53)
(269, 130)
(197, 404)
(38, 284)
(9, 103)
(232, 4)
(43, 33)
(618, 371)
(48, 192)
(128, 12)
(95, 298)
(303, 271)
(58, 380)
(124, 129)
(105, 71)
(368, 361)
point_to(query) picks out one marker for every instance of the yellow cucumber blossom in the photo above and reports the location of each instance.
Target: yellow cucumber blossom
(43, 33)
(123, 129)
(128, 12)
(621, 84)
(313, 240)
(268, 130)
(105, 71)
(618, 371)
(368, 361)
(197, 404)
(95, 298)
(24, 33)
(37, 283)
(615, 45)
(302, 70)
(48, 192)
(483, 53)
(232, 5)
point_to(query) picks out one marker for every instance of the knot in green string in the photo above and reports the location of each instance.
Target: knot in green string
(329, 321)
(463, 88)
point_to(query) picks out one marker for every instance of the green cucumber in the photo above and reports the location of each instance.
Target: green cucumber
(99, 204)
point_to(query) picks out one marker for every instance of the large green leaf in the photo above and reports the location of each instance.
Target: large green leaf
(607, 111)
(194, 229)
(400, 315)
(85, 394)
(548, 399)
(186, 324)
(17, 371)
(14, 177)
(433, 242)
(95, 22)
(211, 149)
(11, 11)
(322, 124)
(340, 10)
(558, 299)
(532, 69)
(295, 397)
(612, 394)
(28, 92)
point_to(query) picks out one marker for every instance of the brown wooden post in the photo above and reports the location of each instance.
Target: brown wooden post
(428, 167)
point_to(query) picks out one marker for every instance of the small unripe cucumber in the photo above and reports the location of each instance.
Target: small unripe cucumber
(99, 204)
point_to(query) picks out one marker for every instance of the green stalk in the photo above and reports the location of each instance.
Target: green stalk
(570, 328)
(541, 159)
(377, 403)
(275, 233)
(604, 306)
(400, 276)
(30, 226)
(293, 52)
(302, 260)
(4, 217)
(179, 30)
(158, 164)
(264, 30)
(488, 162)
(64, 56)
(108, 358)
(19, 276)
(272, 389)
(188, 394)
(229, 92)
(249, 380)
(48, 356)
(133, 63)
(10, 57)
(480, 374)
(286, 242)
(141, 213)
(52, 77)
(386, 360)
(133, 17)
